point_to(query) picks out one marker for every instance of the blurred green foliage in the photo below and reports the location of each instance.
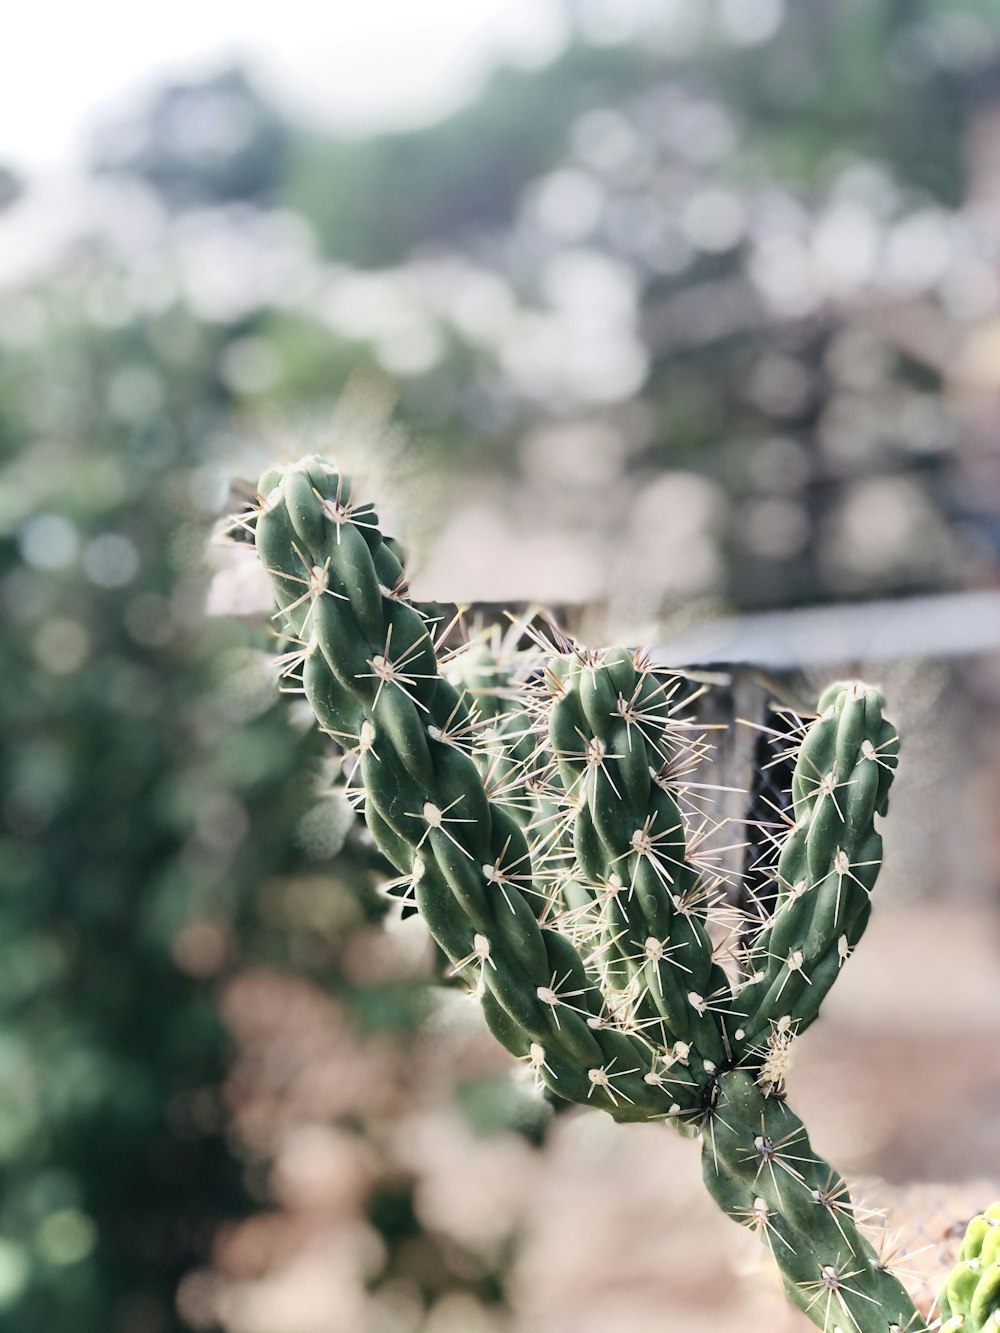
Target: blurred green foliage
(151, 786)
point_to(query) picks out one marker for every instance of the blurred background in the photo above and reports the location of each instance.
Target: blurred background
(683, 315)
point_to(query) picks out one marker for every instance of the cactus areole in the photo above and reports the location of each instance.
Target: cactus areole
(544, 815)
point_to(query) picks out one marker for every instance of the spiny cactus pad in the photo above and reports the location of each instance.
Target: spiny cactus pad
(548, 814)
(970, 1301)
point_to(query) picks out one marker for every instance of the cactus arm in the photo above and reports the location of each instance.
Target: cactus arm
(368, 652)
(507, 752)
(760, 1167)
(648, 924)
(828, 865)
(517, 769)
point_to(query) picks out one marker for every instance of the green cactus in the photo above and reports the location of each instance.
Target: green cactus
(551, 835)
(970, 1300)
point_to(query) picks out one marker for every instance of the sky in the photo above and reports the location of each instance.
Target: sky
(362, 65)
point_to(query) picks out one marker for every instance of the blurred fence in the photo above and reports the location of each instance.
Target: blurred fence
(949, 625)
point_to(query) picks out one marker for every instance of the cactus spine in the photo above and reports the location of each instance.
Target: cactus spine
(551, 838)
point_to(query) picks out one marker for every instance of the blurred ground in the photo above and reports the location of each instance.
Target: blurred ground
(609, 1230)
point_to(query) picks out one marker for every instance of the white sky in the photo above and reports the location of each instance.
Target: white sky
(358, 64)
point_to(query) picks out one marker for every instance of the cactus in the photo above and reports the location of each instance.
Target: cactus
(552, 835)
(970, 1300)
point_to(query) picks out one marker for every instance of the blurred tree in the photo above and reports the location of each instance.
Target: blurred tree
(374, 202)
(11, 187)
(201, 143)
(151, 788)
(707, 231)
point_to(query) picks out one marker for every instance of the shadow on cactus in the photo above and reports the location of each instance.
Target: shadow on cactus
(546, 814)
